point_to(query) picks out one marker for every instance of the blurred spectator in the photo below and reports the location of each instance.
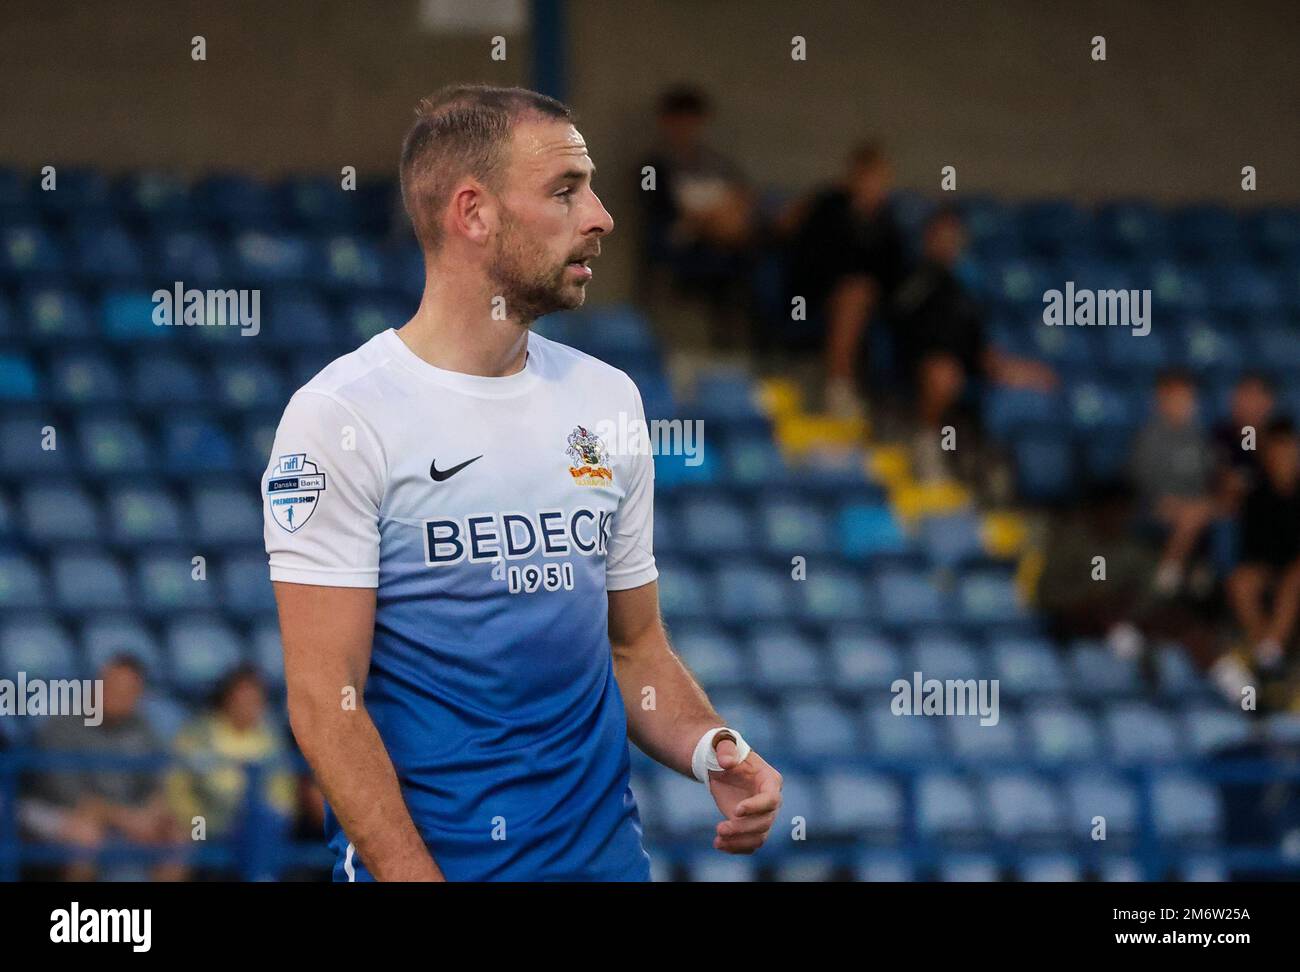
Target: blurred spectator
(700, 217)
(1265, 588)
(216, 749)
(1171, 465)
(1253, 402)
(89, 807)
(940, 344)
(846, 258)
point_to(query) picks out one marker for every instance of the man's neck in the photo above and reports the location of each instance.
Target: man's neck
(454, 329)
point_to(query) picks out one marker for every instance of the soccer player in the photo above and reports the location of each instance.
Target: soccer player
(467, 590)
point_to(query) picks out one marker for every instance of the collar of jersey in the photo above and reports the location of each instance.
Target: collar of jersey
(479, 386)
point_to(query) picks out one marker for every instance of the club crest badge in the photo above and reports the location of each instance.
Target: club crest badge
(294, 487)
(588, 459)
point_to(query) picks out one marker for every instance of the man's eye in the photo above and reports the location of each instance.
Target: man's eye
(565, 192)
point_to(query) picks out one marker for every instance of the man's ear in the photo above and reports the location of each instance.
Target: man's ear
(473, 212)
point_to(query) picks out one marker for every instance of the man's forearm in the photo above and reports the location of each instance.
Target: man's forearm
(667, 711)
(356, 776)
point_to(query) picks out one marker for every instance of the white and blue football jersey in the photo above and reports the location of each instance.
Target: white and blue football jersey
(492, 516)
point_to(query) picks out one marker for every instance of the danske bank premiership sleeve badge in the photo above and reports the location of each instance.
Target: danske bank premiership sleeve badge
(294, 486)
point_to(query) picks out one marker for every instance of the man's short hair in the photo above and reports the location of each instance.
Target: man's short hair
(462, 130)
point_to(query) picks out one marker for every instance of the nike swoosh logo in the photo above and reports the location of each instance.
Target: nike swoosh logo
(438, 476)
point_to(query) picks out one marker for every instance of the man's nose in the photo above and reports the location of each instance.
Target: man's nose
(600, 221)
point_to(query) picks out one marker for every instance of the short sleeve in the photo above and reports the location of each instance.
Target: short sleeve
(630, 560)
(321, 496)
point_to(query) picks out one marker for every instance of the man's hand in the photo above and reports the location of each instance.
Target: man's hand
(748, 793)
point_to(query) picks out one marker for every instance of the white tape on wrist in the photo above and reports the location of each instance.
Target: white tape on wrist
(705, 758)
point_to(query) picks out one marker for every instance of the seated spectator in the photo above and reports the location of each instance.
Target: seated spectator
(940, 344)
(89, 807)
(1253, 403)
(700, 217)
(1265, 588)
(846, 256)
(216, 750)
(1171, 465)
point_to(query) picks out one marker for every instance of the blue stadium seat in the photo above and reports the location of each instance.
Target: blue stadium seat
(246, 586)
(861, 660)
(755, 461)
(1045, 468)
(1024, 808)
(114, 446)
(1244, 288)
(22, 583)
(1057, 228)
(1120, 869)
(59, 512)
(1098, 407)
(168, 586)
(1094, 793)
(158, 198)
(1275, 233)
(785, 659)
(1277, 345)
(989, 596)
(1208, 730)
(805, 868)
(196, 446)
(1096, 672)
(1132, 229)
(269, 258)
(351, 263)
(1205, 231)
(1178, 287)
(268, 654)
(833, 595)
(200, 651)
(1176, 676)
(79, 191)
(190, 256)
(712, 655)
(317, 203)
(89, 582)
(718, 868)
(943, 654)
(908, 597)
(251, 385)
(236, 201)
(18, 378)
(29, 252)
(295, 317)
(168, 380)
(1061, 733)
(947, 808)
(969, 868)
(972, 740)
(863, 805)
(145, 515)
(108, 635)
(712, 525)
(885, 866)
(21, 452)
(226, 515)
(85, 379)
(819, 728)
(130, 316)
(39, 646)
(1141, 733)
(1203, 869)
(256, 438)
(905, 737)
(1028, 667)
(1186, 810)
(791, 528)
(55, 315)
(752, 594)
(683, 595)
(107, 253)
(1050, 868)
(867, 529)
(1207, 346)
(952, 540)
